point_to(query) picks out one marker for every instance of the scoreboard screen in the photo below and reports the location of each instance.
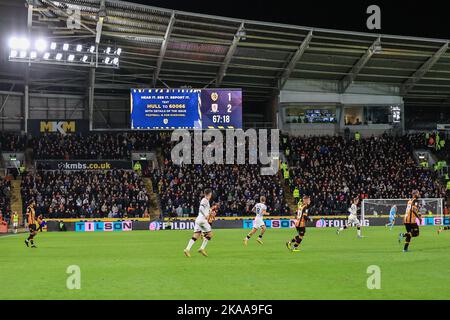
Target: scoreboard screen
(186, 109)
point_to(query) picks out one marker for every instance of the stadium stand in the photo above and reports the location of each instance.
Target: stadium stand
(12, 142)
(113, 194)
(333, 170)
(236, 187)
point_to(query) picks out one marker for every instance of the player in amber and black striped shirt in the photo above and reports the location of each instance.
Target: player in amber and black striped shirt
(410, 220)
(31, 220)
(300, 224)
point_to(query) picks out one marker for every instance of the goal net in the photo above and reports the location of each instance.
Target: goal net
(431, 209)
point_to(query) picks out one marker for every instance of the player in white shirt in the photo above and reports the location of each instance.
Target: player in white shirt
(261, 210)
(202, 225)
(352, 218)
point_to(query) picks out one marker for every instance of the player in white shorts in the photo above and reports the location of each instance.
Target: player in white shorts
(261, 210)
(202, 225)
(352, 218)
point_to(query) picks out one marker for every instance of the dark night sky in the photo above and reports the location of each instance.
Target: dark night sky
(400, 17)
(414, 18)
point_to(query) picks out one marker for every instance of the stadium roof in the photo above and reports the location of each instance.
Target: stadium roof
(163, 47)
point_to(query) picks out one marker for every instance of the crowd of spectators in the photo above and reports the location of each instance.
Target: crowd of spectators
(333, 170)
(12, 142)
(236, 188)
(5, 195)
(86, 194)
(106, 146)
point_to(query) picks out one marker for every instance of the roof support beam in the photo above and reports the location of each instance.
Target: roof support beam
(295, 58)
(418, 75)
(356, 69)
(162, 51)
(101, 17)
(62, 12)
(230, 53)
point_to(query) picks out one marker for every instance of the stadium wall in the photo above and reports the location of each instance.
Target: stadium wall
(112, 112)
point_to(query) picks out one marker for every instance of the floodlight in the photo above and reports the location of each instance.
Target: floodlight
(40, 45)
(79, 47)
(23, 54)
(58, 56)
(19, 43)
(13, 53)
(46, 56)
(71, 57)
(14, 43)
(65, 46)
(53, 46)
(33, 55)
(119, 51)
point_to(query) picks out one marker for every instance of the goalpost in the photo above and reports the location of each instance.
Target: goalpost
(428, 208)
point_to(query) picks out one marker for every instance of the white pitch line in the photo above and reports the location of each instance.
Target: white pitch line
(11, 235)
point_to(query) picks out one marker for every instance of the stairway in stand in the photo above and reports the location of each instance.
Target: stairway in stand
(288, 196)
(154, 210)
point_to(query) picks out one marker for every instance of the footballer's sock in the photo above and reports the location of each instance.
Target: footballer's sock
(407, 241)
(32, 242)
(204, 243)
(447, 228)
(260, 236)
(191, 243)
(406, 246)
(359, 232)
(249, 236)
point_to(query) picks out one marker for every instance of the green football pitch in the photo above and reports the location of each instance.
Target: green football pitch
(151, 265)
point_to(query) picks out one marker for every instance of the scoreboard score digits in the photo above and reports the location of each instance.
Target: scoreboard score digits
(221, 108)
(186, 109)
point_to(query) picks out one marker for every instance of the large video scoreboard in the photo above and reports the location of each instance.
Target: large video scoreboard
(186, 109)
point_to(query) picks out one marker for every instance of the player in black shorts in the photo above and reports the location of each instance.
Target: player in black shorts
(31, 225)
(411, 219)
(300, 224)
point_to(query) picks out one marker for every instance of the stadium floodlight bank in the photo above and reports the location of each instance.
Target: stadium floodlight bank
(428, 207)
(42, 51)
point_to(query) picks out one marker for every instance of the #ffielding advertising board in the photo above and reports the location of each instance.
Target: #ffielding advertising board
(186, 109)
